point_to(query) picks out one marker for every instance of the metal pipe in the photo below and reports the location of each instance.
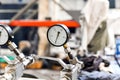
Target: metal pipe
(23, 10)
(29, 17)
(61, 7)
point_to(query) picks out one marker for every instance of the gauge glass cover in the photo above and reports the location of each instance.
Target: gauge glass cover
(3, 36)
(58, 35)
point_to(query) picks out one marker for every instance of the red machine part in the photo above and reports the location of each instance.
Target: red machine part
(37, 23)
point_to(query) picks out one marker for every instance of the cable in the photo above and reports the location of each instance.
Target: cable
(116, 59)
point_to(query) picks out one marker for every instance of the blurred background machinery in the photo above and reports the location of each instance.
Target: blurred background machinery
(54, 10)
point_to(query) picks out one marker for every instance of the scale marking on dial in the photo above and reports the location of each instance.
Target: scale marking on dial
(58, 35)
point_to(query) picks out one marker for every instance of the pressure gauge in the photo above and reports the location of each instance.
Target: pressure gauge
(58, 34)
(5, 34)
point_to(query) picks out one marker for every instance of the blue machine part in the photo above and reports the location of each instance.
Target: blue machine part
(117, 45)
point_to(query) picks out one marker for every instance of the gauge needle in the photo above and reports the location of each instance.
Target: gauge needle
(57, 36)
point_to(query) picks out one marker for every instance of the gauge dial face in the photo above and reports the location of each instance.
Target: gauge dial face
(3, 36)
(58, 35)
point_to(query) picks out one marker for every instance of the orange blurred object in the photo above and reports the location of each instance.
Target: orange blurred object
(35, 65)
(3, 65)
(37, 23)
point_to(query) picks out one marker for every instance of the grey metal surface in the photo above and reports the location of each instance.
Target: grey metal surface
(44, 74)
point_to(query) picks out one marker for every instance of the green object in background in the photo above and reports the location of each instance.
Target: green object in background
(2, 60)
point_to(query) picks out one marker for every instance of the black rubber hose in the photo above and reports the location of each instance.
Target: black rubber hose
(29, 76)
